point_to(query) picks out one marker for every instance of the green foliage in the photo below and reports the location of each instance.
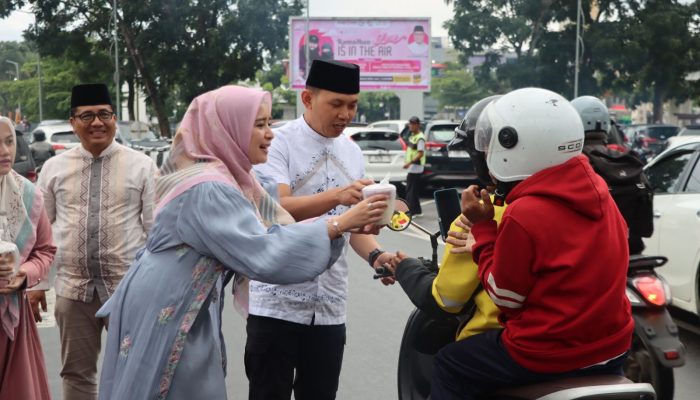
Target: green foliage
(641, 49)
(377, 106)
(274, 79)
(174, 49)
(456, 88)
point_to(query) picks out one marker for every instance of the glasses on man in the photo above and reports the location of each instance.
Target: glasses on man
(88, 117)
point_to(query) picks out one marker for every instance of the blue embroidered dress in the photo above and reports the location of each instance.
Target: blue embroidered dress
(164, 339)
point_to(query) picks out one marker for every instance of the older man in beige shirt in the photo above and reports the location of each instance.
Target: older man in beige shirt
(99, 196)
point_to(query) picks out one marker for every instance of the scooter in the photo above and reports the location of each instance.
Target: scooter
(656, 348)
(426, 332)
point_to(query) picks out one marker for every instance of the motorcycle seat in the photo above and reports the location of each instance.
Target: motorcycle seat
(585, 387)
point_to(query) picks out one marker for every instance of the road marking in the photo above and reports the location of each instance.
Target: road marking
(425, 203)
(47, 318)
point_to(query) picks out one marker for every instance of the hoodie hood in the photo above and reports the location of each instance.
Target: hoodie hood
(573, 183)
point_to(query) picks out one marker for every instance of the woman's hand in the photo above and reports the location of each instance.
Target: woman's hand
(366, 212)
(16, 283)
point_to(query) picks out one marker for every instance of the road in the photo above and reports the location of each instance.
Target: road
(376, 319)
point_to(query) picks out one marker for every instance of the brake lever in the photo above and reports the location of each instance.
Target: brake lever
(382, 272)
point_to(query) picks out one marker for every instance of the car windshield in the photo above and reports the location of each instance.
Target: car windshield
(65, 137)
(130, 134)
(694, 131)
(661, 132)
(377, 140)
(394, 127)
(443, 133)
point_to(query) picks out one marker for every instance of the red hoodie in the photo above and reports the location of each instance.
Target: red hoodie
(556, 266)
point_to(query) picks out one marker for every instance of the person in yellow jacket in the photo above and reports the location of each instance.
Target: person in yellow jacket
(456, 285)
(415, 164)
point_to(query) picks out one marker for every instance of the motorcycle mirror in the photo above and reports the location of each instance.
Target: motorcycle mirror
(401, 219)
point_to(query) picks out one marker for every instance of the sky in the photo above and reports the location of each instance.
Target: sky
(11, 28)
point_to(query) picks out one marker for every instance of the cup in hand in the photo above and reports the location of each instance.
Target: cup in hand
(389, 191)
(9, 260)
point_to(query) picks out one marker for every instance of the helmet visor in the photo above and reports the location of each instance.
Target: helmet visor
(484, 130)
(459, 138)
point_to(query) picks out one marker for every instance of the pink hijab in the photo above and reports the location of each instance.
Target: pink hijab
(212, 144)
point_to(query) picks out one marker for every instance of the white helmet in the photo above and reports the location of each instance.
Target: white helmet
(526, 131)
(594, 114)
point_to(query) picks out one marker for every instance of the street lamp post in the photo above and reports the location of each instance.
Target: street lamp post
(41, 95)
(16, 64)
(579, 44)
(116, 61)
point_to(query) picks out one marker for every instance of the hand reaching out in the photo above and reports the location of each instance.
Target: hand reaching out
(462, 240)
(384, 260)
(352, 193)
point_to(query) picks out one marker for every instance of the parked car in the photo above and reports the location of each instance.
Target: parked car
(24, 162)
(443, 167)
(139, 136)
(397, 125)
(683, 136)
(650, 139)
(59, 135)
(675, 177)
(384, 152)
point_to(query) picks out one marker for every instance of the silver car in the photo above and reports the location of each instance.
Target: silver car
(384, 152)
(59, 135)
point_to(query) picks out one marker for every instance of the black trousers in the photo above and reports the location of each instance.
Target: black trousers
(413, 188)
(276, 349)
(468, 368)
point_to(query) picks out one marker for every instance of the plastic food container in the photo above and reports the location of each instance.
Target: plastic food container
(9, 255)
(386, 189)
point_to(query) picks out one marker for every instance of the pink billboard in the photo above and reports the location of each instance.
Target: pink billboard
(393, 53)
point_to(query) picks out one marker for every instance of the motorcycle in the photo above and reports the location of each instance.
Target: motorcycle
(655, 349)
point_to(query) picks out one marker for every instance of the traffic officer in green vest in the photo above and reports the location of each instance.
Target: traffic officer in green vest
(415, 162)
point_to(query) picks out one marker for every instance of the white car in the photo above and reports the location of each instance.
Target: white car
(675, 177)
(59, 135)
(384, 152)
(396, 125)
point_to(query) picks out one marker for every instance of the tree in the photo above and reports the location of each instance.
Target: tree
(171, 47)
(59, 75)
(642, 49)
(456, 88)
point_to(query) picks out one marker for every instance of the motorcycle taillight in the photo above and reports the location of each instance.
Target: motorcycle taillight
(651, 288)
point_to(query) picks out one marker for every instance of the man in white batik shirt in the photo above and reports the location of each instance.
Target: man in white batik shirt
(296, 333)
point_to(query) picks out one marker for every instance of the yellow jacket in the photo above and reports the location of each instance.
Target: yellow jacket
(455, 283)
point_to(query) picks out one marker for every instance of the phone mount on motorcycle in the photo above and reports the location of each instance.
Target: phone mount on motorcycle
(400, 221)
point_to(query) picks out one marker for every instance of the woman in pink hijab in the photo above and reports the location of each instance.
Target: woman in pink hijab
(25, 234)
(213, 219)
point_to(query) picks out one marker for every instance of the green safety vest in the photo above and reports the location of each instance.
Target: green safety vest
(412, 149)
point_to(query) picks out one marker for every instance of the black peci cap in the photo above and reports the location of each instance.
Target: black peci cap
(90, 94)
(334, 76)
(414, 120)
(418, 28)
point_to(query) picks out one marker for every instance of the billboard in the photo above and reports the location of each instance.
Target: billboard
(393, 53)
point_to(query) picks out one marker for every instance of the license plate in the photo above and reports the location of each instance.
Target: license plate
(457, 154)
(378, 158)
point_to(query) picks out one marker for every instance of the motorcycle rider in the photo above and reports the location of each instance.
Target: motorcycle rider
(564, 312)
(457, 281)
(596, 122)
(41, 149)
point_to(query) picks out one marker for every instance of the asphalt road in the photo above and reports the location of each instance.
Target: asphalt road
(376, 319)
